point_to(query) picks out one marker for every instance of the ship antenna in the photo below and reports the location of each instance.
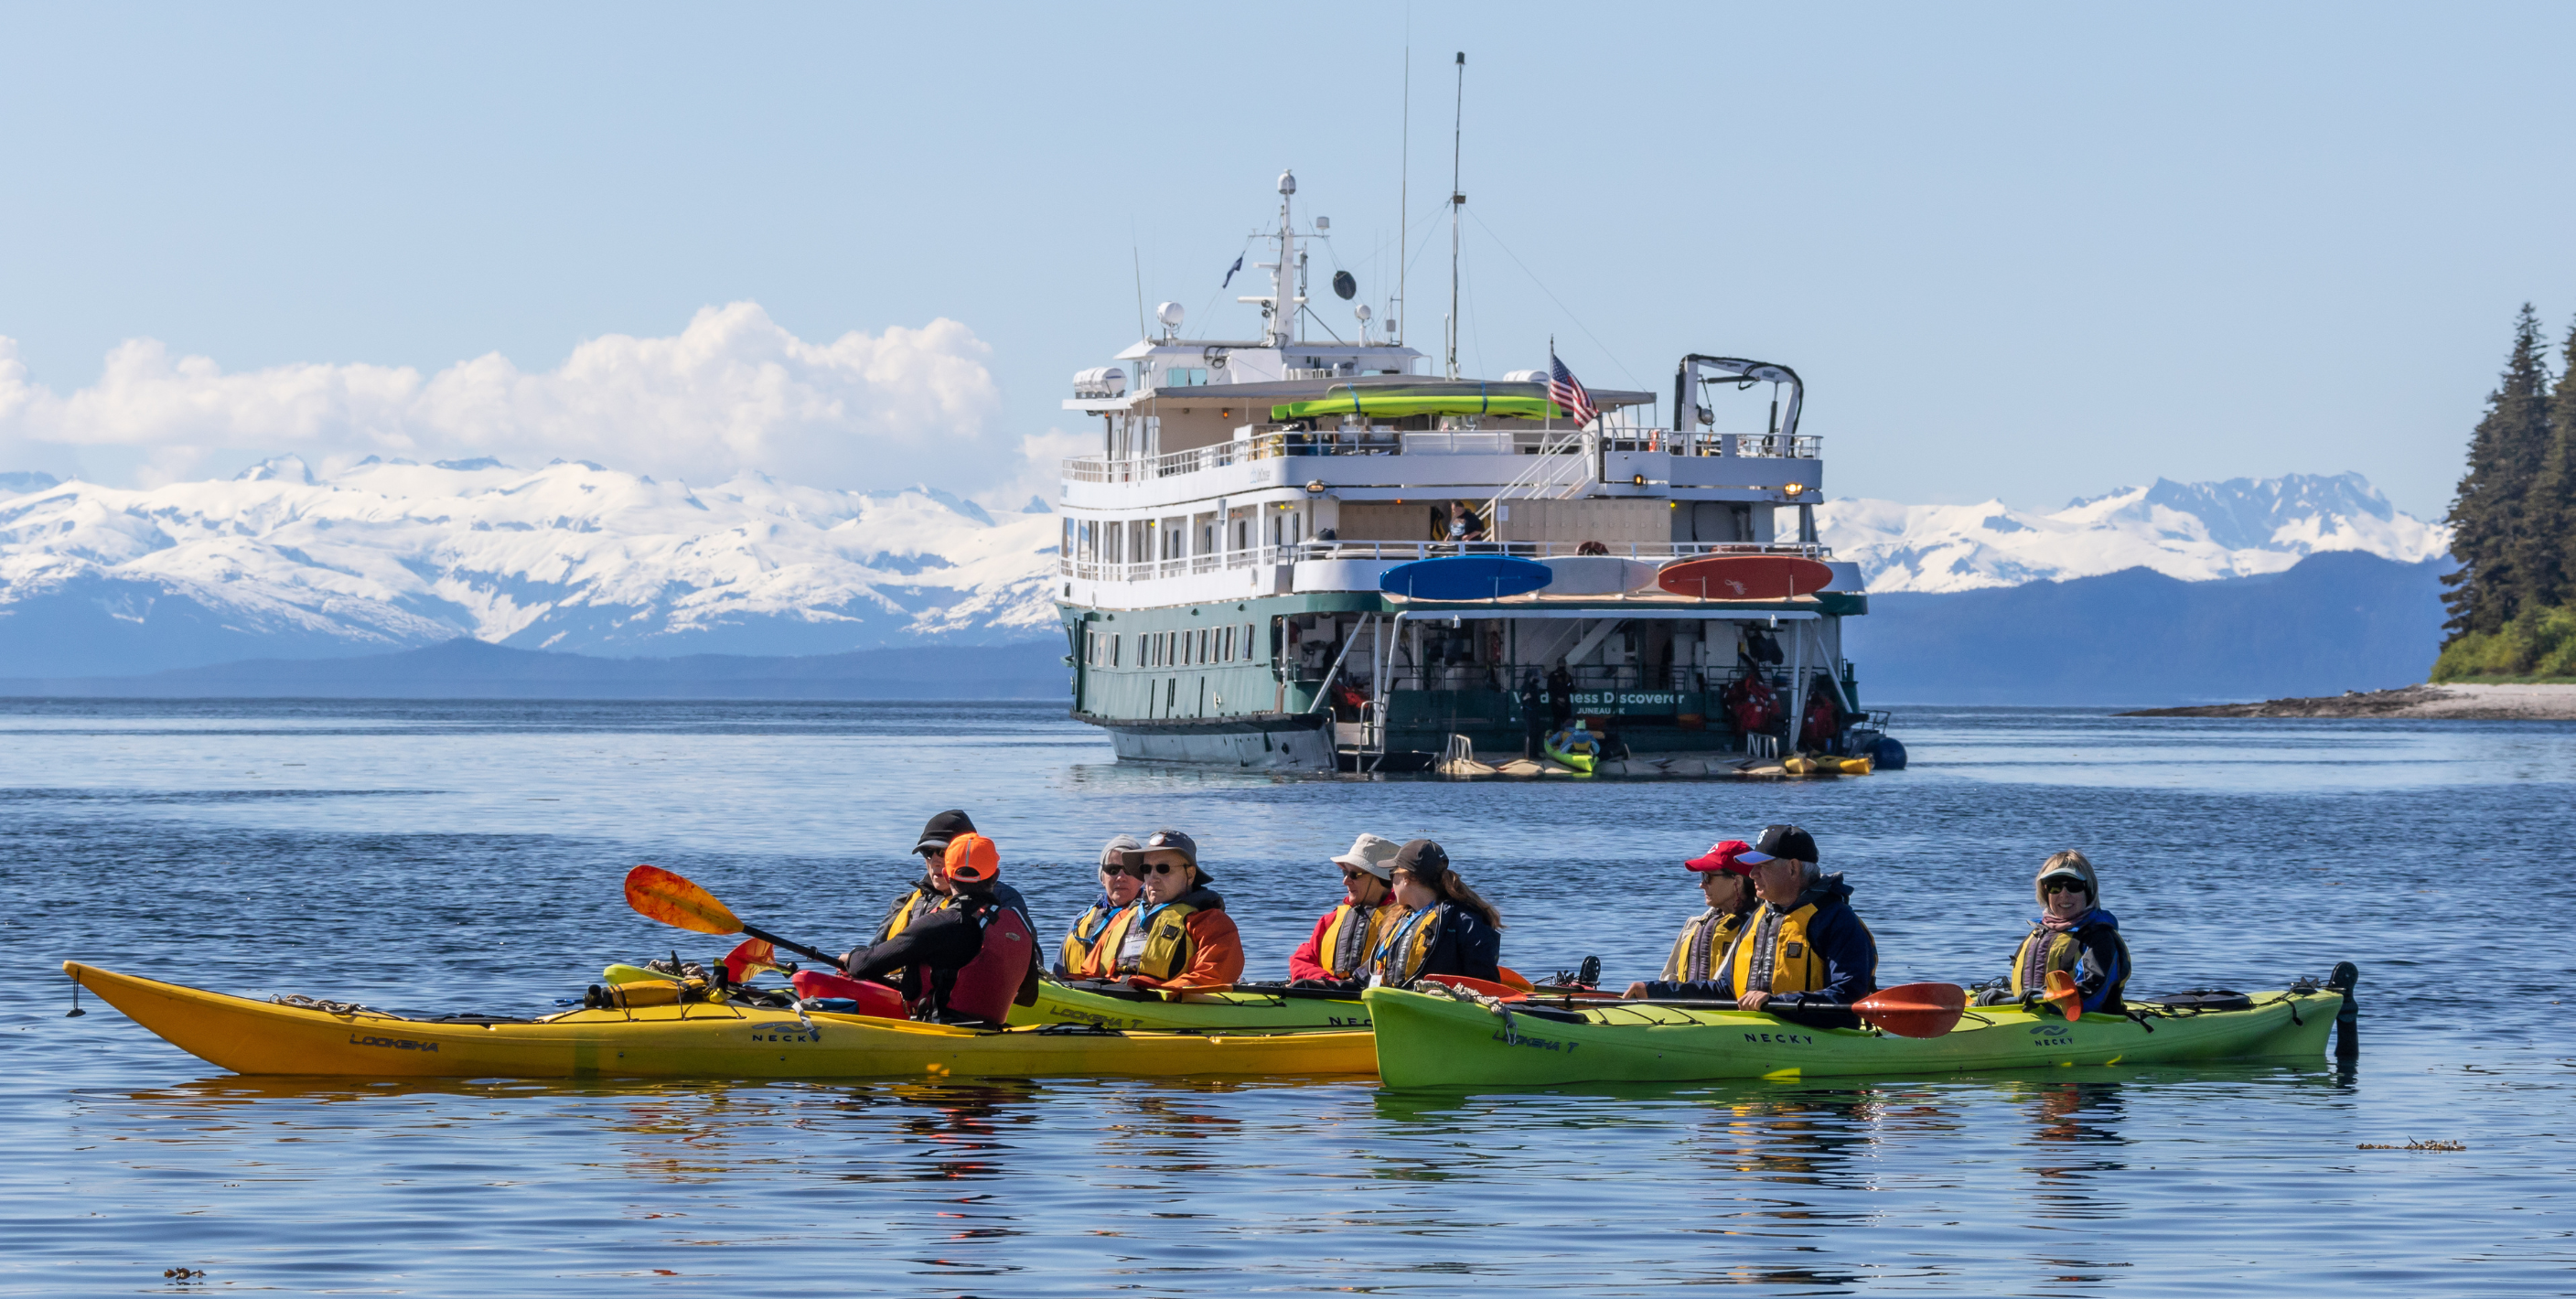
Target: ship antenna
(1457, 200)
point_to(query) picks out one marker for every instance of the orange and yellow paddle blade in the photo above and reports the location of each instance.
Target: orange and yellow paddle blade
(1914, 1009)
(1512, 979)
(2060, 987)
(750, 958)
(658, 894)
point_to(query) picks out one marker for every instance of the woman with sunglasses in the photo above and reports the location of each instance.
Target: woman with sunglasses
(1446, 928)
(1336, 955)
(2073, 933)
(1091, 946)
(1184, 940)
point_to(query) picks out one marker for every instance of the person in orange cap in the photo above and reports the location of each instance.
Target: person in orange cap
(968, 962)
(1696, 967)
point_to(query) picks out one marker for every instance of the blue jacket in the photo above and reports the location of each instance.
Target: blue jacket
(1850, 953)
(2106, 959)
(1461, 943)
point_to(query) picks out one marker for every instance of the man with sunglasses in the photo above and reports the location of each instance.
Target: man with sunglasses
(1803, 953)
(1090, 949)
(1184, 940)
(934, 892)
(1337, 953)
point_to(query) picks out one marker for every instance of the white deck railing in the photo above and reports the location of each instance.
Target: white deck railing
(1383, 441)
(1397, 552)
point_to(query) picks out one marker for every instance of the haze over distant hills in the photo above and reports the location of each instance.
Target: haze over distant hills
(391, 556)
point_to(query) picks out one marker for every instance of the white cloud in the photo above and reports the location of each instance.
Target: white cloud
(732, 391)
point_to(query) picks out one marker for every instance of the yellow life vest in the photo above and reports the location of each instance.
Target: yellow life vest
(1167, 942)
(912, 908)
(1699, 955)
(1094, 956)
(1090, 929)
(1345, 947)
(1398, 957)
(2045, 950)
(1772, 953)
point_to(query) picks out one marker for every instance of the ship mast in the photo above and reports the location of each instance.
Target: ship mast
(1283, 296)
(1457, 202)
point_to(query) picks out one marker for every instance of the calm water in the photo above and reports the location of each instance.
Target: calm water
(439, 857)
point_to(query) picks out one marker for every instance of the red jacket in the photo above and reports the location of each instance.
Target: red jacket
(1307, 962)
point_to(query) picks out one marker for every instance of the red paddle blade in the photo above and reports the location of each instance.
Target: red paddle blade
(750, 958)
(1512, 979)
(1914, 1009)
(2060, 987)
(1479, 986)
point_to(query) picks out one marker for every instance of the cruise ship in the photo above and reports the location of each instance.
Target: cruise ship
(1304, 551)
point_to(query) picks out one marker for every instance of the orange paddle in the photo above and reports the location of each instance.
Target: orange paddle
(661, 895)
(2061, 987)
(1914, 1009)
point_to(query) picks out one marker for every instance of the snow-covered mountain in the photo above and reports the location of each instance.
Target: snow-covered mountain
(573, 556)
(2192, 531)
(390, 555)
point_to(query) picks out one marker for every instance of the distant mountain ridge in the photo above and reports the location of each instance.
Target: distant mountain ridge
(392, 555)
(279, 562)
(2193, 531)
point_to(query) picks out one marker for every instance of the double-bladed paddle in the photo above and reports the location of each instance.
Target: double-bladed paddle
(661, 895)
(1908, 1010)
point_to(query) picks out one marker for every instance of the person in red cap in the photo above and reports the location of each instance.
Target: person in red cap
(968, 962)
(1696, 967)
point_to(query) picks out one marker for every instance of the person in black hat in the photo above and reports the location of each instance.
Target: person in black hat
(933, 892)
(1803, 953)
(1447, 929)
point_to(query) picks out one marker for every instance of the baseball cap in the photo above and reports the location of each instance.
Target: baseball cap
(1167, 841)
(1780, 841)
(1374, 853)
(1727, 857)
(1420, 857)
(972, 857)
(942, 828)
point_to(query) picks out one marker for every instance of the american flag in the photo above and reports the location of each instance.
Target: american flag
(1568, 392)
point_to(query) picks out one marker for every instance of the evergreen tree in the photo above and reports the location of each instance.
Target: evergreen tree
(2545, 553)
(2489, 515)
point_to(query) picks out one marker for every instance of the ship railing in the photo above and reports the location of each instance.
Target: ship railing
(1379, 440)
(1398, 552)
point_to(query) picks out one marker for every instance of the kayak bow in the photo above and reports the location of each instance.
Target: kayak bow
(688, 1040)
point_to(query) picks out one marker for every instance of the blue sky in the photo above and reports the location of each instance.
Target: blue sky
(2022, 251)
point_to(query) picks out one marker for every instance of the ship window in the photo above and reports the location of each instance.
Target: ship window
(1225, 646)
(1114, 638)
(1247, 641)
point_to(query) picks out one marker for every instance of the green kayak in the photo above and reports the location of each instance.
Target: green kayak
(1426, 1040)
(1240, 1009)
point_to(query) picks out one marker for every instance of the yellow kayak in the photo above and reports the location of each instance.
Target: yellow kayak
(1239, 1009)
(692, 1040)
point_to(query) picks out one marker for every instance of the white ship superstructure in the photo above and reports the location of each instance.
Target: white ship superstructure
(1226, 550)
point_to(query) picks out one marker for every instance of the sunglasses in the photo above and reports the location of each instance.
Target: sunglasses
(1355, 873)
(1137, 871)
(1162, 868)
(2063, 885)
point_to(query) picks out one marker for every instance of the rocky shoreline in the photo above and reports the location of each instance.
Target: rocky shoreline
(2498, 703)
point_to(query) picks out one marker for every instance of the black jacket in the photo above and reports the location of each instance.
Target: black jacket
(927, 955)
